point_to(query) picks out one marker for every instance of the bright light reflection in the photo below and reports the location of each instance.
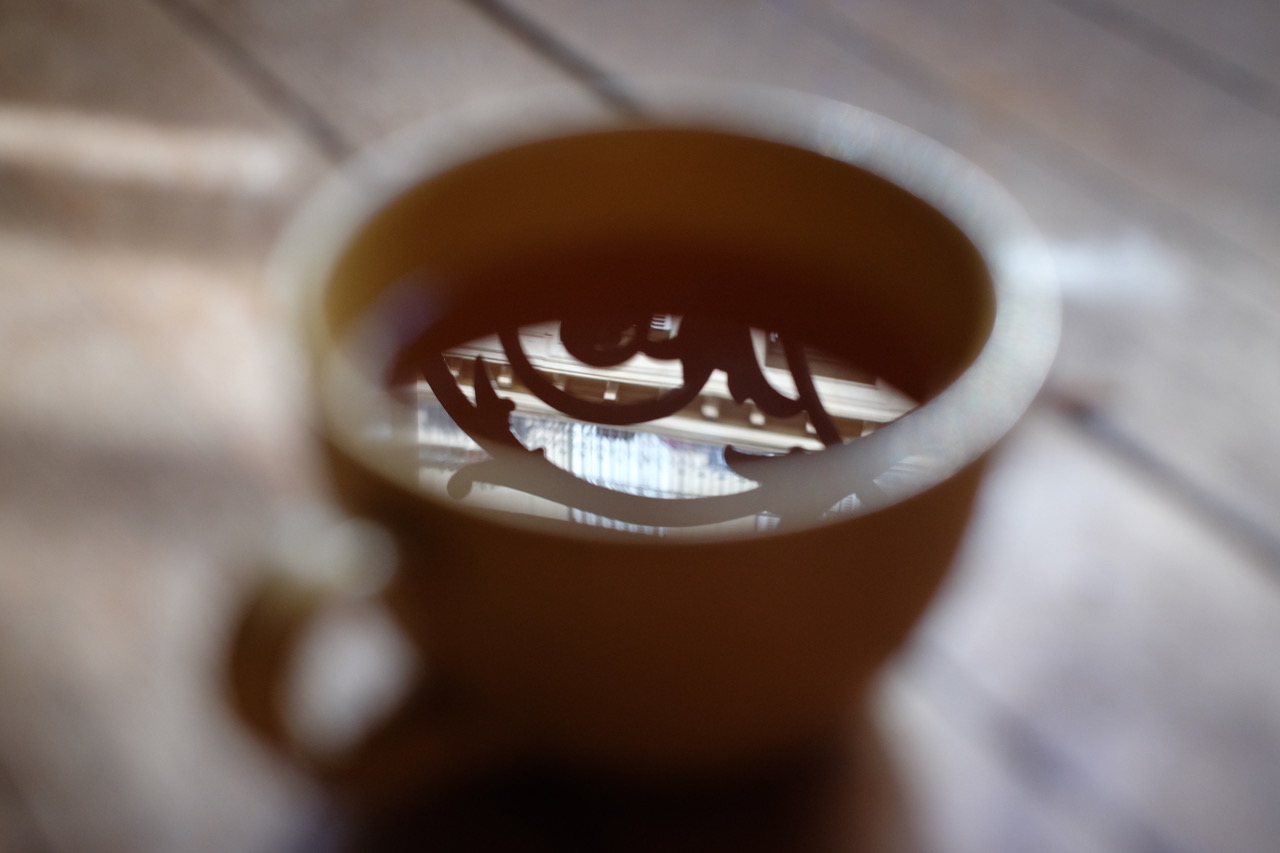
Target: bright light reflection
(1131, 267)
(112, 148)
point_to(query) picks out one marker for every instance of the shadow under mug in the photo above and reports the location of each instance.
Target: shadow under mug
(683, 633)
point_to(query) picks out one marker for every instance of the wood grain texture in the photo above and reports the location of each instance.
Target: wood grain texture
(968, 794)
(1125, 645)
(142, 436)
(1152, 124)
(1219, 41)
(369, 68)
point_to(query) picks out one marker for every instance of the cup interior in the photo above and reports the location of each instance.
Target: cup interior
(852, 255)
(682, 220)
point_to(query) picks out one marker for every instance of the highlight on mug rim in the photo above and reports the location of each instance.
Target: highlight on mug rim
(913, 449)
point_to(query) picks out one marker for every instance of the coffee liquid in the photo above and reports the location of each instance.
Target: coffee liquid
(609, 415)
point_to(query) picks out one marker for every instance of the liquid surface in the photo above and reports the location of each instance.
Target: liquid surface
(649, 424)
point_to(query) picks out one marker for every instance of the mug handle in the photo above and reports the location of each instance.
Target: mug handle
(316, 567)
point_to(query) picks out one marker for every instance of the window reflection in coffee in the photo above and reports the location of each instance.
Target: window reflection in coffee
(759, 256)
(648, 423)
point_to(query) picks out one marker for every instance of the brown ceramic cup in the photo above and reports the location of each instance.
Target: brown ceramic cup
(682, 632)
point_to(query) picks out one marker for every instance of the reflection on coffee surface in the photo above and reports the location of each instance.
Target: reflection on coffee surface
(648, 423)
(663, 328)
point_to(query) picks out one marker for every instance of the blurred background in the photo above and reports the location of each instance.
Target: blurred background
(1099, 676)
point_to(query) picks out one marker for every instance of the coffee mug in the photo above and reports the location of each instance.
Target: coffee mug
(662, 426)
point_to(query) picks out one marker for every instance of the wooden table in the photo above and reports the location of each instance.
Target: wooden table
(1099, 676)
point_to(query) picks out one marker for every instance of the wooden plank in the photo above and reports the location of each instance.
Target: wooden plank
(1220, 40)
(142, 438)
(371, 67)
(769, 44)
(167, 189)
(1132, 645)
(1152, 124)
(125, 508)
(964, 792)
